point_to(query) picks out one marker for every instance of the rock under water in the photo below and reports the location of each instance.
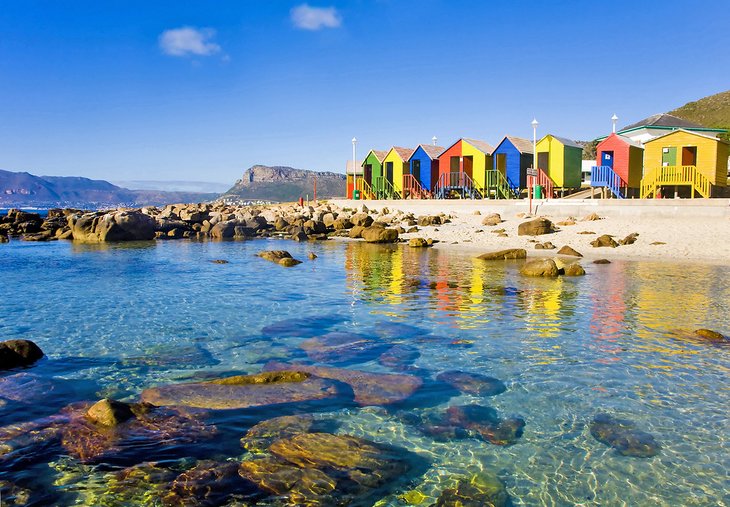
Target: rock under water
(472, 383)
(623, 436)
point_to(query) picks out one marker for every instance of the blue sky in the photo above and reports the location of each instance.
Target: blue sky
(186, 90)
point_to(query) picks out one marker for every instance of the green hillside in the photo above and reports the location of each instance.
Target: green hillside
(712, 111)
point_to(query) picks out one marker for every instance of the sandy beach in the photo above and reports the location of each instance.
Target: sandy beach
(672, 230)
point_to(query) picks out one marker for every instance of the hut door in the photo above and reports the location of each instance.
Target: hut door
(368, 173)
(543, 159)
(689, 155)
(669, 156)
(389, 171)
(607, 159)
(416, 169)
(502, 163)
(469, 166)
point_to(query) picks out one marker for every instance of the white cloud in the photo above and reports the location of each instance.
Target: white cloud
(188, 41)
(315, 18)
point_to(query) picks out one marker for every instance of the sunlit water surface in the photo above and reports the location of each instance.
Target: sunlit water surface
(567, 349)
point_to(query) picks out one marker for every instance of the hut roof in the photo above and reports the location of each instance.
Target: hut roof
(687, 132)
(663, 120)
(567, 142)
(482, 146)
(432, 151)
(403, 153)
(523, 145)
(379, 154)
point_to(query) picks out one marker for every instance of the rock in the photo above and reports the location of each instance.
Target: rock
(630, 239)
(223, 230)
(591, 217)
(424, 221)
(300, 236)
(342, 223)
(109, 413)
(399, 356)
(601, 261)
(623, 436)
(312, 256)
(573, 269)
(343, 348)
(544, 246)
(39, 236)
(112, 226)
(369, 388)
(604, 241)
(304, 327)
(418, 243)
(472, 383)
(208, 483)
(540, 267)
(219, 261)
(379, 235)
(362, 219)
(294, 485)
(654, 243)
(566, 250)
(280, 224)
(263, 434)
(482, 490)
(535, 227)
(15, 353)
(568, 222)
(244, 391)
(356, 231)
(281, 257)
(586, 232)
(492, 219)
(711, 336)
(512, 253)
(240, 231)
(4, 238)
(13, 495)
(485, 422)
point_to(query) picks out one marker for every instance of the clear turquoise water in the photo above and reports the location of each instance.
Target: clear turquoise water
(567, 349)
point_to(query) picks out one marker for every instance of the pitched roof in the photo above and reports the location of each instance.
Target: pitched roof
(565, 141)
(630, 142)
(403, 153)
(482, 146)
(663, 120)
(523, 145)
(432, 151)
(686, 132)
(379, 154)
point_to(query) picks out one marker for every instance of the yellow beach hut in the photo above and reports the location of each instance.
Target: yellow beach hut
(395, 165)
(685, 164)
(561, 160)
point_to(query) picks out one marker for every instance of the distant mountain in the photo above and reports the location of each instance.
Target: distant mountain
(209, 187)
(284, 184)
(22, 189)
(712, 111)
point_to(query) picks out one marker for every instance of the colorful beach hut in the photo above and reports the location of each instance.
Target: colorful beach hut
(424, 166)
(512, 157)
(372, 167)
(395, 165)
(619, 166)
(561, 160)
(684, 163)
(463, 169)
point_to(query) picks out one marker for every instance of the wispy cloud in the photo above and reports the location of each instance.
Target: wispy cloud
(315, 18)
(187, 41)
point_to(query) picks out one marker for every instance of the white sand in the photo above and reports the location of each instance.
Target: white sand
(692, 231)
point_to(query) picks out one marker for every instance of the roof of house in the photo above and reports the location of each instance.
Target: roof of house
(482, 146)
(565, 141)
(379, 154)
(663, 120)
(431, 150)
(687, 132)
(403, 153)
(523, 145)
(625, 139)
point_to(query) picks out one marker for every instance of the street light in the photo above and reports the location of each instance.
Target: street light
(434, 140)
(614, 118)
(354, 158)
(534, 143)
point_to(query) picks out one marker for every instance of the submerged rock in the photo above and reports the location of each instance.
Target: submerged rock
(263, 434)
(13, 495)
(175, 356)
(397, 330)
(297, 486)
(343, 348)
(711, 336)
(473, 383)
(399, 357)
(301, 327)
(281, 257)
(208, 483)
(485, 422)
(623, 436)
(15, 353)
(540, 267)
(369, 388)
(109, 413)
(482, 490)
(244, 391)
(512, 253)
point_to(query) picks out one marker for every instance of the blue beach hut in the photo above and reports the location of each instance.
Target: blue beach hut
(424, 165)
(512, 157)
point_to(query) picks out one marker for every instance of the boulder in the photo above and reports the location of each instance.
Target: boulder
(3, 238)
(591, 217)
(399, 357)
(604, 241)
(482, 490)
(223, 230)
(109, 413)
(544, 246)
(540, 267)
(300, 235)
(573, 269)
(343, 348)
(294, 485)
(424, 221)
(362, 219)
(342, 223)
(472, 383)
(485, 422)
(601, 261)
(208, 483)
(566, 250)
(281, 257)
(711, 336)
(418, 243)
(630, 239)
(356, 231)
(113, 226)
(511, 253)
(623, 436)
(15, 353)
(379, 235)
(244, 391)
(535, 227)
(492, 219)
(259, 437)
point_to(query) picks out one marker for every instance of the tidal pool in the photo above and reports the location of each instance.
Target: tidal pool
(551, 365)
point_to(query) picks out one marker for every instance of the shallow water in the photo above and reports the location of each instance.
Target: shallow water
(116, 319)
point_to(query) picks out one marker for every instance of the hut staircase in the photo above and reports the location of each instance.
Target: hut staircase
(686, 175)
(384, 189)
(545, 182)
(499, 186)
(457, 183)
(605, 176)
(366, 191)
(412, 188)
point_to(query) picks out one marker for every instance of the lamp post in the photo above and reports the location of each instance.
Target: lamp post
(434, 140)
(354, 158)
(532, 179)
(614, 118)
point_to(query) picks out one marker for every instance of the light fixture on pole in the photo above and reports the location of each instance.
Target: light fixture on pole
(434, 140)
(614, 118)
(534, 142)
(354, 158)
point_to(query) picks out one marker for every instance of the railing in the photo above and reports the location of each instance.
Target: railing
(458, 182)
(384, 189)
(675, 175)
(366, 191)
(544, 181)
(605, 176)
(412, 188)
(498, 182)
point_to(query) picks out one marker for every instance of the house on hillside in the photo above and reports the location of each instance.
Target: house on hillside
(660, 124)
(684, 163)
(619, 166)
(560, 159)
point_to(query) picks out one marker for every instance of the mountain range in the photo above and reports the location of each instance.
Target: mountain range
(284, 184)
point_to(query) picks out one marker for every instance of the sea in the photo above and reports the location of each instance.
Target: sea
(117, 319)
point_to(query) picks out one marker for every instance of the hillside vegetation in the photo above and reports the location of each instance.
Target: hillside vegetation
(712, 111)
